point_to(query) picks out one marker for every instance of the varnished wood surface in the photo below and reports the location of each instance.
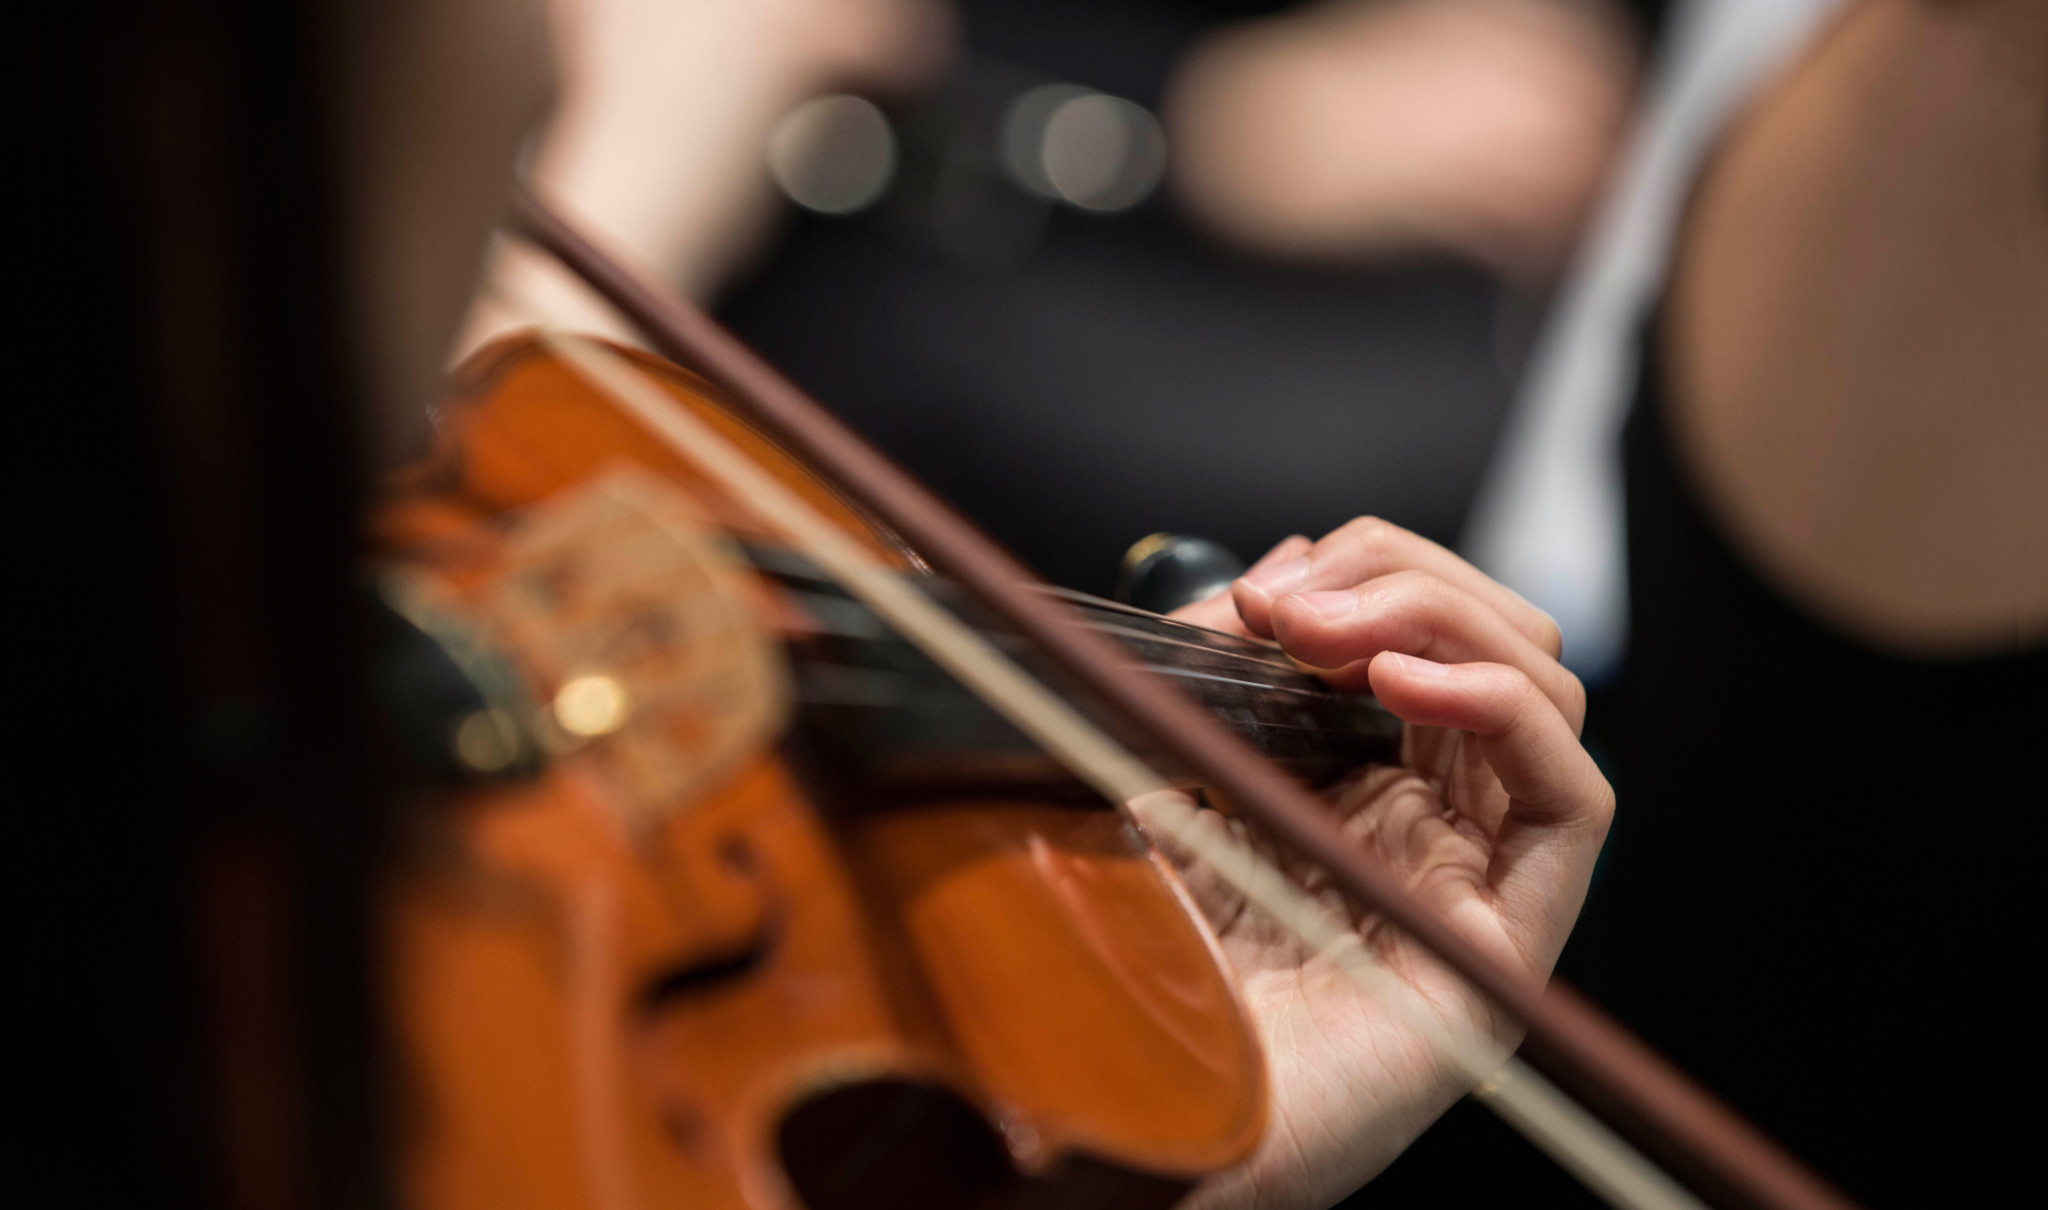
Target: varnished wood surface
(599, 1014)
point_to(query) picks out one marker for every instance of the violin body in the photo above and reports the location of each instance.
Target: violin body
(675, 946)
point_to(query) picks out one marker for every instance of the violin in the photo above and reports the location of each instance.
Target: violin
(746, 898)
(742, 901)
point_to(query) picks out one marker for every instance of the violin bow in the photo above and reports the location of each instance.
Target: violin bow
(1617, 1078)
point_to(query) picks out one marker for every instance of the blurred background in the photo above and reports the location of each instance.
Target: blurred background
(1094, 270)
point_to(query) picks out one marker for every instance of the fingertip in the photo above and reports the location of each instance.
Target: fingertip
(1328, 606)
(1391, 672)
(1321, 629)
(1402, 664)
(1254, 607)
(1424, 691)
(1289, 617)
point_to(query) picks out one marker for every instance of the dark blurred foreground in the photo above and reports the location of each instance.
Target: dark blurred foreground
(196, 841)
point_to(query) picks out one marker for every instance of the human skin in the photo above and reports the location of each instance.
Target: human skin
(1494, 818)
(1856, 333)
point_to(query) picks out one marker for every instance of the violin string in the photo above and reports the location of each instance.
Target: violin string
(951, 643)
(1606, 1163)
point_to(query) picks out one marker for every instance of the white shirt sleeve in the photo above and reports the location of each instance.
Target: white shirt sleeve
(1548, 521)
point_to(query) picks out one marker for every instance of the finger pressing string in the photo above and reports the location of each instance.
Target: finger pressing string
(1419, 613)
(1529, 745)
(1559, 805)
(1367, 548)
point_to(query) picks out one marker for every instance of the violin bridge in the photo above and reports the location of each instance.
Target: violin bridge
(635, 628)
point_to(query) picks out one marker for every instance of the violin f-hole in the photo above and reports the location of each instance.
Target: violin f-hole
(729, 961)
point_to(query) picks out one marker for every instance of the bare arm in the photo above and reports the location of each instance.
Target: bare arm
(1858, 327)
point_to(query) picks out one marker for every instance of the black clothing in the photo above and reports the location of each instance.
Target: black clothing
(1816, 895)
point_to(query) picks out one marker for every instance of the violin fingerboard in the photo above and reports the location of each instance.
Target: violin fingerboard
(873, 699)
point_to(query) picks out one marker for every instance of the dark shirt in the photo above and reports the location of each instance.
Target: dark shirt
(1817, 894)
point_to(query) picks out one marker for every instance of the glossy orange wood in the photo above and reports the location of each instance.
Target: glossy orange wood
(1056, 948)
(520, 426)
(785, 967)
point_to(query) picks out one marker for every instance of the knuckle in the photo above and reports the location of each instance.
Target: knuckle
(1404, 610)
(1367, 536)
(1574, 703)
(1513, 695)
(1529, 696)
(1596, 805)
(1411, 589)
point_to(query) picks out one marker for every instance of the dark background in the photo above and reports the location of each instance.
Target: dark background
(1124, 373)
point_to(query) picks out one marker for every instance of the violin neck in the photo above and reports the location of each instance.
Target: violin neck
(871, 698)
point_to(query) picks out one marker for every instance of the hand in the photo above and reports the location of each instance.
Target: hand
(1494, 818)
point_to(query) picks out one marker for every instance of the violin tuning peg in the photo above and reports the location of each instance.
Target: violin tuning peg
(1163, 572)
